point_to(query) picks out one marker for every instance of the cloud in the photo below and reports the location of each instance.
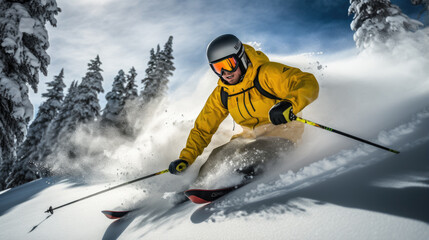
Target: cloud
(123, 32)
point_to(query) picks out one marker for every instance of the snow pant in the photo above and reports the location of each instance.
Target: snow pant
(249, 157)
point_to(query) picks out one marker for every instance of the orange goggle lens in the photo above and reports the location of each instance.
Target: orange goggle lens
(227, 64)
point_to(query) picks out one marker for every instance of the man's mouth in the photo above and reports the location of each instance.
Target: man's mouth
(230, 77)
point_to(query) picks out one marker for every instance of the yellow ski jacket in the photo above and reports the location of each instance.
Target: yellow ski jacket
(247, 106)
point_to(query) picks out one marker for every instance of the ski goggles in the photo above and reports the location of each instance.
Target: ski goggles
(229, 64)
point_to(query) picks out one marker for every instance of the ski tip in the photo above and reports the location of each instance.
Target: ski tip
(114, 214)
(201, 196)
(197, 200)
(195, 196)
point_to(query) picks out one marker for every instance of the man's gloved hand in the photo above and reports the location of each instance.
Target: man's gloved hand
(177, 166)
(281, 113)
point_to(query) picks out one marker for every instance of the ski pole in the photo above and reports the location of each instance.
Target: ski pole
(51, 210)
(344, 134)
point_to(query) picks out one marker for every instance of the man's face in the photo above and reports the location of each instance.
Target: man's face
(232, 77)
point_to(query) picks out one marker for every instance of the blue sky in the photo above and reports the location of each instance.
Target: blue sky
(122, 32)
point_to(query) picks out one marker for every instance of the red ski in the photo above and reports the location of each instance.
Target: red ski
(115, 214)
(201, 196)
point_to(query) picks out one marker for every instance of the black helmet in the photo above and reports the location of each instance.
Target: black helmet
(224, 47)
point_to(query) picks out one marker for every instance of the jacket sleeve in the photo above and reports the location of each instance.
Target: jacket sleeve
(206, 124)
(289, 83)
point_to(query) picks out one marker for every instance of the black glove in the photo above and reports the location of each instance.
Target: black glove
(281, 113)
(177, 166)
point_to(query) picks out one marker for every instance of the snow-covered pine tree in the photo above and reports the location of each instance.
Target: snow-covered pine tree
(23, 45)
(160, 67)
(26, 167)
(425, 9)
(131, 92)
(113, 113)
(131, 103)
(376, 21)
(165, 65)
(81, 106)
(50, 140)
(85, 109)
(151, 81)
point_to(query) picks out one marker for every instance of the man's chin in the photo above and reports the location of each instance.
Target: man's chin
(230, 82)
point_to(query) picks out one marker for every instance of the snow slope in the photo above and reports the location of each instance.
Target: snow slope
(328, 188)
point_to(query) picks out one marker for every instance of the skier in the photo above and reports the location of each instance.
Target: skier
(261, 96)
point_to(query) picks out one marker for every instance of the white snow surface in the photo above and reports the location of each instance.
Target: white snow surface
(329, 187)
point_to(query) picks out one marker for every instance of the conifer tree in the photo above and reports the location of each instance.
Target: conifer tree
(160, 68)
(151, 81)
(26, 168)
(376, 21)
(51, 140)
(81, 107)
(131, 92)
(113, 113)
(165, 65)
(23, 45)
(87, 107)
(131, 103)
